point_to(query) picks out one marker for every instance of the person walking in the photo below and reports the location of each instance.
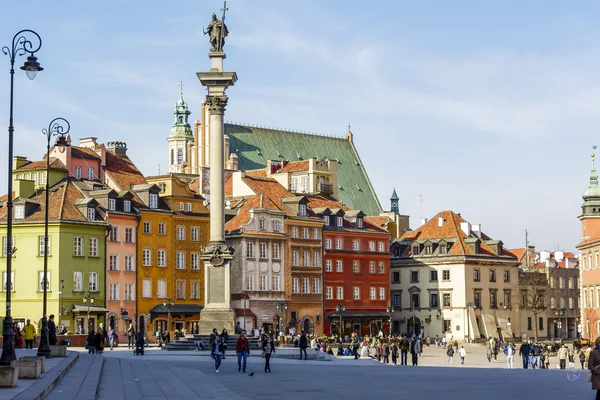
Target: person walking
(394, 354)
(90, 342)
(415, 350)
(524, 353)
(444, 341)
(404, 345)
(571, 357)
(582, 359)
(488, 354)
(217, 353)
(29, 334)
(131, 337)
(354, 346)
(268, 347)
(594, 367)
(242, 348)
(111, 338)
(386, 353)
(303, 344)
(562, 356)
(224, 339)
(52, 339)
(99, 341)
(462, 353)
(450, 354)
(510, 355)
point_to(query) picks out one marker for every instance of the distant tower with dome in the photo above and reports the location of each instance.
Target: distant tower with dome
(180, 137)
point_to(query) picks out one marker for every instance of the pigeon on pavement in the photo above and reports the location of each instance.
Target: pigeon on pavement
(251, 374)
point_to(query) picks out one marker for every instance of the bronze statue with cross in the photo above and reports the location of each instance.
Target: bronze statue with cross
(217, 31)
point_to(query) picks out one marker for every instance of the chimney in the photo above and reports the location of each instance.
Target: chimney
(423, 221)
(117, 148)
(559, 256)
(476, 228)
(89, 142)
(19, 161)
(23, 188)
(440, 221)
(466, 228)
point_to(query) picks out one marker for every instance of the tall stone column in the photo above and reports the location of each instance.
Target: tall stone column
(217, 312)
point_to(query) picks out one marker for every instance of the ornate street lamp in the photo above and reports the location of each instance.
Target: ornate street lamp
(21, 45)
(87, 298)
(340, 308)
(168, 302)
(55, 128)
(390, 310)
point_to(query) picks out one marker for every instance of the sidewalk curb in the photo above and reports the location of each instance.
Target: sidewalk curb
(49, 380)
(91, 383)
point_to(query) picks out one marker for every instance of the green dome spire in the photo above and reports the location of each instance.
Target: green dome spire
(181, 127)
(593, 191)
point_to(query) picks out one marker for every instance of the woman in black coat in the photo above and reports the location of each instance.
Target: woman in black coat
(90, 342)
(594, 367)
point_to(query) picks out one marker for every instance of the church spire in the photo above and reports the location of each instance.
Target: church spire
(591, 196)
(180, 135)
(394, 202)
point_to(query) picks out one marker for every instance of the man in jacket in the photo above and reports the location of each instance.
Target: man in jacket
(28, 334)
(242, 348)
(537, 352)
(524, 353)
(562, 356)
(52, 339)
(303, 344)
(404, 351)
(415, 350)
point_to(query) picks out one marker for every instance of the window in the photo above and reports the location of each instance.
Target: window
(276, 254)
(4, 281)
(328, 244)
(275, 226)
(181, 206)
(114, 233)
(356, 293)
(128, 235)
(316, 285)
(42, 281)
(446, 275)
(147, 227)
(19, 212)
(262, 248)
(294, 232)
(562, 283)
(316, 259)
(477, 299)
(506, 275)
(360, 223)
(129, 293)
(371, 246)
(250, 250)
(42, 178)
(355, 245)
(315, 234)
(371, 267)
(78, 172)
(541, 323)
(416, 300)
(433, 275)
(295, 259)
(414, 276)
(447, 325)
(339, 221)
(91, 174)
(373, 293)
(415, 250)
(180, 233)
(5, 247)
(428, 249)
(476, 275)
(180, 260)
(338, 266)
(571, 283)
(434, 301)
(78, 246)
(194, 290)
(161, 289)
(507, 297)
(162, 228)
(195, 257)
(381, 247)
(571, 303)
(263, 282)
(339, 244)
(194, 234)
(147, 288)
(126, 205)
(529, 327)
(444, 249)
(396, 277)
(340, 293)
(326, 220)
(129, 263)
(447, 299)
(305, 233)
(112, 204)
(304, 184)
(294, 185)
(492, 275)
(113, 263)
(493, 299)
(34, 177)
(153, 200)
(146, 258)
(251, 282)
(381, 293)
(397, 301)
(328, 266)
(295, 286)
(161, 258)
(42, 248)
(77, 281)
(305, 285)
(262, 224)
(356, 266)
(524, 299)
(114, 291)
(305, 259)
(329, 293)
(91, 214)
(181, 289)
(276, 285)
(93, 281)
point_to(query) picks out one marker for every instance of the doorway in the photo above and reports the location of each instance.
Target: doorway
(414, 326)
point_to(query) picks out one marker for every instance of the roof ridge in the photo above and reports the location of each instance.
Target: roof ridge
(276, 129)
(458, 235)
(62, 201)
(364, 172)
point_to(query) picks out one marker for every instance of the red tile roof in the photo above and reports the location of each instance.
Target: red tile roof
(295, 166)
(35, 165)
(380, 221)
(257, 172)
(84, 152)
(123, 172)
(519, 253)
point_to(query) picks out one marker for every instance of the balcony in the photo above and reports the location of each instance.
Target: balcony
(324, 188)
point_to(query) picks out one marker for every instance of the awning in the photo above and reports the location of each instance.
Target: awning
(239, 312)
(360, 314)
(83, 309)
(177, 309)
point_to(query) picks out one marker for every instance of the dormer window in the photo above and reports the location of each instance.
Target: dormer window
(428, 250)
(19, 212)
(91, 174)
(415, 250)
(153, 200)
(360, 223)
(91, 214)
(500, 249)
(127, 206)
(339, 221)
(262, 225)
(111, 204)
(162, 186)
(275, 226)
(78, 172)
(326, 219)
(477, 248)
(302, 210)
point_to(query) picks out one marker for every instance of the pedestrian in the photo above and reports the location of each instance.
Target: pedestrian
(594, 367)
(111, 338)
(415, 350)
(217, 353)
(462, 353)
(571, 360)
(99, 341)
(444, 341)
(450, 354)
(52, 331)
(404, 345)
(524, 353)
(213, 336)
(562, 357)
(437, 341)
(90, 342)
(582, 359)
(394, 354)
(242, 348)
(29, 334)
(268, 347)
(488, 354)
(303, 344)
(427, 341)
(386, 353)
(224, 339)
(510, 355)
(131, 337)
(353, 346)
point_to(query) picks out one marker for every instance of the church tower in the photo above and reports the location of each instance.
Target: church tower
(394, 203)
(180, 137)
(590, 210)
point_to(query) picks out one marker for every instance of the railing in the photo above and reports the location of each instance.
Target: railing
(325, 188)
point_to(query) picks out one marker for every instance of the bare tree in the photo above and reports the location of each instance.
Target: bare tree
(534, 289)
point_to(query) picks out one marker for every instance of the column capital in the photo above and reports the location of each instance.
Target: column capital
(216, 104)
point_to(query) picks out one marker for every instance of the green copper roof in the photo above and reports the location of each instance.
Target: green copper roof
(255, 146)
(394, 195)
(181, 127)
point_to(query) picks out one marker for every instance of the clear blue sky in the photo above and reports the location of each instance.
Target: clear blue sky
(486, 109)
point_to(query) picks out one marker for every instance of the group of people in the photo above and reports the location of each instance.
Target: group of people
(26, 336)
(96, 339)
(218, 346)
(537, 356)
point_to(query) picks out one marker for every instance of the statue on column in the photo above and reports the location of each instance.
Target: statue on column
(217, 31)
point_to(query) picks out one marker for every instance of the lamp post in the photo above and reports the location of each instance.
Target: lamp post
(168, 302)
(390, 310)
(244, 299)
(88, 298)
(54, 128)
(340, 308)
(283, 307)
(20, 46)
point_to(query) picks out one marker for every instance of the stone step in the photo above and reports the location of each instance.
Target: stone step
(82, 380)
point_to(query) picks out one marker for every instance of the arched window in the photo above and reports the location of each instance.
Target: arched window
(180, 119)
(172, 156)
(179, 156)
